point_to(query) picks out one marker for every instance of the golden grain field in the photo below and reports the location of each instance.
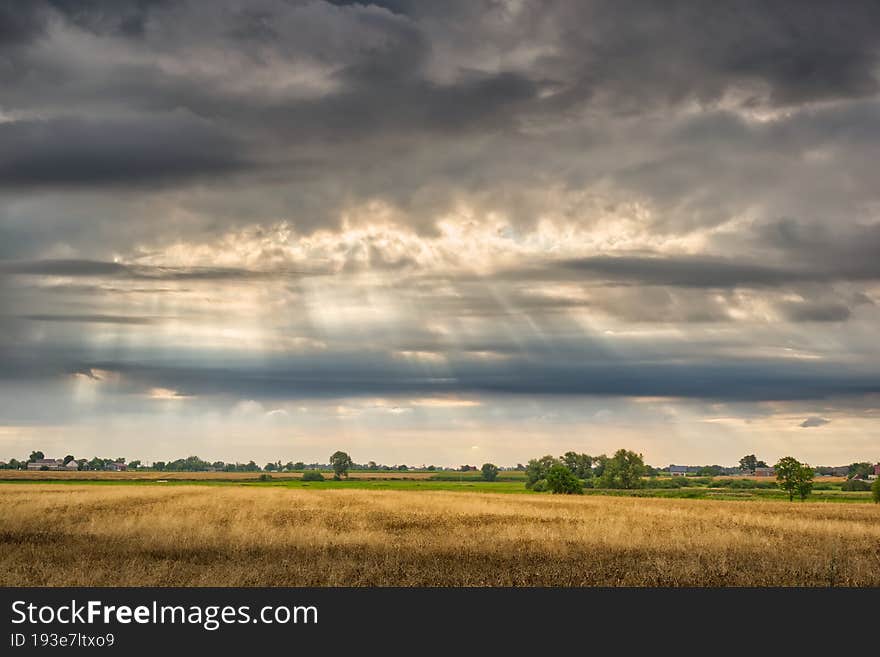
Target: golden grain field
(232, 536)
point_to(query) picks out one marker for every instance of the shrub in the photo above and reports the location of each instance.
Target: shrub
(855, 485)
(312, 475)
(490, 471)
(875, 490)
(561, 480)
(537, 469)
(265, 477)
(540, 486)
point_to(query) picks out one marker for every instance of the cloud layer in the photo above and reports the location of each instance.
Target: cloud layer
(560, 202)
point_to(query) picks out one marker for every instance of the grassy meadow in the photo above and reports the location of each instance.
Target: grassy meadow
(281, 535)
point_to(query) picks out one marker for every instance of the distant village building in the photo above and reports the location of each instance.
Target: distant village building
(840, 471)
(116, 467)
(765, 472)
(877, 470)
(678, 470)
(51, 464)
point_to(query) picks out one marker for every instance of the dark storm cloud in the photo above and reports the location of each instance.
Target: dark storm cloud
(90, 319)
(19, 25)
(85, 152)
(694, 271)
(102, 269)
(817, 312)
(801, 51)
(371, 374)
(117, 18)
(814, 421)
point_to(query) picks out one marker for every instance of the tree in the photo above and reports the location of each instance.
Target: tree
(794, 477)
(581, 465)
(36, 456)
(490, 471)
(340, 462)
(270, 467)
(623, 470)
(299, 465)
(68, 459)
(748, 462)
(537, 469)
(561, 480)
(875, 490)
(134, 465)
(599, 465)
(805, 482)
(860, 470)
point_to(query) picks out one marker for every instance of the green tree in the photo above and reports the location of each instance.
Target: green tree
(599, 465)
(794, 477)
(875, 490)
(561, 480)
(340, 462)
(36, 456)
(623, 470)
(68, 459)
(270, 467)
(805, 482)
(581, 465)
(860, 470)
(490, 471)
(134, 465)
(748, 462)
(537, 469)
(299, 465)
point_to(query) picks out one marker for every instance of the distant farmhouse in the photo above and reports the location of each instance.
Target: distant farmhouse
(116, 467)
(52, 464)
(765, 472)
(678, 470)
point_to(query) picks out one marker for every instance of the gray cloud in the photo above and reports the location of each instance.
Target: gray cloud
(91, 319)
(814, 421)
(84, 152)
(103, 269)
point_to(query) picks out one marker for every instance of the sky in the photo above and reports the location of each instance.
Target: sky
(440, 233)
